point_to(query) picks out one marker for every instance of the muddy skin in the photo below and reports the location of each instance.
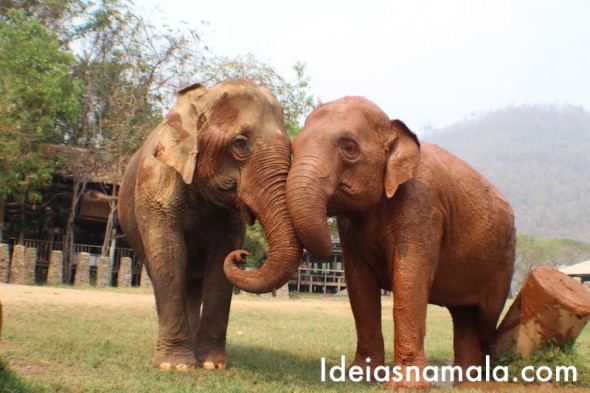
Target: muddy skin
(221, 155)
(412, 218)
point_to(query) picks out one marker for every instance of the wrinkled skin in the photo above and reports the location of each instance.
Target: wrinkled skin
(413, 219)
(218, 160)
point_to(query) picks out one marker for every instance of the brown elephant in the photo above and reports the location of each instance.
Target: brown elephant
(219, 159)
(412, 218)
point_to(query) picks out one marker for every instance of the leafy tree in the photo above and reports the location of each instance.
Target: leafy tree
(126, 66)
(38, 102)
(532, 252)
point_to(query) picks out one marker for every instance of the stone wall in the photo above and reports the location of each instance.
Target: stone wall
(82, 276)
(145, 281)
(4, 262)
(55, 271)
(103, 275)
(125, 275)
(22, 266)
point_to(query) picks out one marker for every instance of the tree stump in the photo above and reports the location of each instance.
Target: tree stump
(55, 271)
(551, 307)
(103, 274)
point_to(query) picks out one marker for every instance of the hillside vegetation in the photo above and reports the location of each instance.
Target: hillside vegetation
(538, 156)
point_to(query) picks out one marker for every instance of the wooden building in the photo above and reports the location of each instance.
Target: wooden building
(320, 276)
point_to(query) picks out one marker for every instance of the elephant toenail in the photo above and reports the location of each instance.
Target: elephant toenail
(182, 367)
(165, 366)
(209, 366)
(220, 366)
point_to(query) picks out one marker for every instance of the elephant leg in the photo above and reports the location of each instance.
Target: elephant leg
(217, 293)
(194, 297)
(411, 286)
(466, 344)
(364, 293)
(166, 257)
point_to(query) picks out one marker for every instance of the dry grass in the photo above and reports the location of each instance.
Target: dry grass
(64, 339)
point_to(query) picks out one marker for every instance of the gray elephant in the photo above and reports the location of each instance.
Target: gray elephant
(218, 161)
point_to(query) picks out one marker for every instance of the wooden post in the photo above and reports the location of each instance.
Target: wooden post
(83, 269)
(551, 307)
(55, 272)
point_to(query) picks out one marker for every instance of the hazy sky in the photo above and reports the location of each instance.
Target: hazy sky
(423, 61)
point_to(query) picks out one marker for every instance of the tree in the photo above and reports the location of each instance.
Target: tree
(126, 67)
(532, 252)
(38, 103)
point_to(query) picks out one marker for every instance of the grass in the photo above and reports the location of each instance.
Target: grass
(273, 346)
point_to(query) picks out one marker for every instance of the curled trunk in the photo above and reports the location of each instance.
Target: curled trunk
(264, 194)
(307, 197)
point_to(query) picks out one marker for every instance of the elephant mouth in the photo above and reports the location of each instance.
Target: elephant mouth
(247, 214)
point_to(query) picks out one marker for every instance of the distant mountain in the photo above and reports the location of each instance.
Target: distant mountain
(539, 158)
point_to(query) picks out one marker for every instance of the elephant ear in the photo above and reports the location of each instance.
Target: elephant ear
(177, 144)
(403, 157)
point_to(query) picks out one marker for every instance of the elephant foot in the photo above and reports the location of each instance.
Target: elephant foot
(214, 361)
(173, 362)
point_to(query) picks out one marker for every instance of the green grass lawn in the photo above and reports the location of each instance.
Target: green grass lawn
(273, 345)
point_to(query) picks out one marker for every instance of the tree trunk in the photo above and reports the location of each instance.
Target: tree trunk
(1, 218)
(21, 221)
(110, 232)
(77, 190)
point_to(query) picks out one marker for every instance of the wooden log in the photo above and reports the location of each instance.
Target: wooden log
(551, 307)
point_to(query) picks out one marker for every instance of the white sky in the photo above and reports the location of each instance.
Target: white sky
(422, 61)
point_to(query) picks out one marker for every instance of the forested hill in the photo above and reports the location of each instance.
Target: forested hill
(538, 156)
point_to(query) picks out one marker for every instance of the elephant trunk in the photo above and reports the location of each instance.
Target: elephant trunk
(265, 196)
(308, 189)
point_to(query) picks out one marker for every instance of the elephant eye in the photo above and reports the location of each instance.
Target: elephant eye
(350, 149)
(240, 147)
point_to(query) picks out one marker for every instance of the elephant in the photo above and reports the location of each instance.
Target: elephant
(413, 219)
(217, 162)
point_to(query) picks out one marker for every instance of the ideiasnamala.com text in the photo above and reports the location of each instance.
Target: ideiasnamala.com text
(486, 373)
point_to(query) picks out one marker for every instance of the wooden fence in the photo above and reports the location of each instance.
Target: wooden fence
(318, 281)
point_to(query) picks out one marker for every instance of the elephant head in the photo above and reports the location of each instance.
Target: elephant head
(230, 143)
(348, 155)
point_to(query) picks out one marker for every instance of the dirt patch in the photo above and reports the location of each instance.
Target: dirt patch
(12, 295)
(17, 294)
